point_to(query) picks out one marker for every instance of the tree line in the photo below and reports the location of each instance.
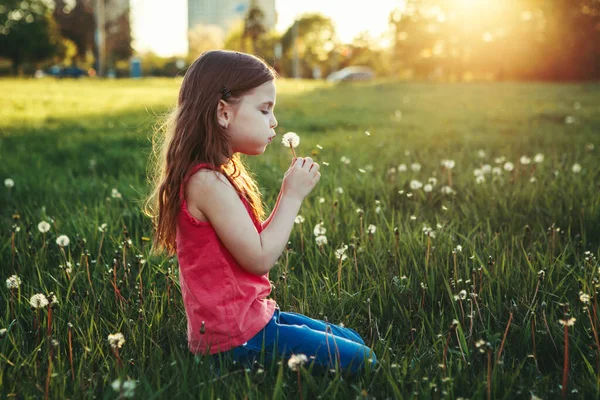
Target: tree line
(427, 39)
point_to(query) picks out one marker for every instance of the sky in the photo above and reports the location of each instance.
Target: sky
(164, 29)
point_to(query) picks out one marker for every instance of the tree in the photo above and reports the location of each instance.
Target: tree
(316, 41)
(118, 36)
(28, 33)
(254, 26)
(77, 23)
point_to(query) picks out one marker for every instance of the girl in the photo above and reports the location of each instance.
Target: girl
(207, 209)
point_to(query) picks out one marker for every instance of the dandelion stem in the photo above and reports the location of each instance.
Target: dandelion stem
(49, 320)
(565, 380)
(71, 353)
(489, 374)
(292, 147)
(339, 276)
(46, 393)
(504, 339)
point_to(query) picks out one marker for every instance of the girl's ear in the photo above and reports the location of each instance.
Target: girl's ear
(224, 113)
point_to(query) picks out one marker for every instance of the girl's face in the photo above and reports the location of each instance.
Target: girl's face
(251, 121)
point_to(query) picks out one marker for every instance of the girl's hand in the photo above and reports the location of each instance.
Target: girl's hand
(300, 179)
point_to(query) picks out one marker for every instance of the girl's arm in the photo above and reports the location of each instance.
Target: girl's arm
(268, 220)
(255, 252)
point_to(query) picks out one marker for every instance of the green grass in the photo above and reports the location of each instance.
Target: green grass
(509, 228)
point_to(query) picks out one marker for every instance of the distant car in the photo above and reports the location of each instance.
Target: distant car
(353, 73)
(66, 72)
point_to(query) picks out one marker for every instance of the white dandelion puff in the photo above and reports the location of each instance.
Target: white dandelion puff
(62, 241)
(43, 227)
(9, 183)
(290, 139)
(319, 229)
(576, 168)
(116, 340)
(13, 282)
(39, 300)
(296, 361)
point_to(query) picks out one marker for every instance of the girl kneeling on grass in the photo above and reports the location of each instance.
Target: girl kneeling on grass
(207, 209)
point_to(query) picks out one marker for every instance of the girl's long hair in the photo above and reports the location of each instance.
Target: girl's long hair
(190, 134)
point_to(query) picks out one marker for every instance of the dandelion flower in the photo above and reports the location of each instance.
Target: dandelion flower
(321, 240)
(481, 154)
(43, 227)
(415, 184)
(432, 180)
(415, 167)
(38, 301)
(13, 282)
(371, 229)
(62, 241)
(402, 168)
(525, 160)
(500, 160)
(428, 187)
(290, 139)
(297, 360)
(569, 119)
(447, 190)
(584, 298)
(340, 190)
(9, 183)
(341, 252)
(319, 229)
(567, 322)
(115, 194)
(102, 228)
(345, 160)
(576, 168)
(539, 157)
(480, 179)
(497, 171)
(462, 294)
(116, 340)
(459, 248)
(299, 219)
(448, 164)
(127, 388)
(508, 166)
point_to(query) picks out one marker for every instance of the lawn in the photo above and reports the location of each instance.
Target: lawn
(471, 214)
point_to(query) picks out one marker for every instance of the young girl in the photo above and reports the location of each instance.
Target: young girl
(207, 209)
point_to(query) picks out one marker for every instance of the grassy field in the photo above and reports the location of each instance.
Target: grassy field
(460, 288)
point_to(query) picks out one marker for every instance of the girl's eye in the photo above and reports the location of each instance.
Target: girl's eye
(264, 111)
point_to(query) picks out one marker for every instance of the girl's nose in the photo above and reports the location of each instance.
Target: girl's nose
(273, 123)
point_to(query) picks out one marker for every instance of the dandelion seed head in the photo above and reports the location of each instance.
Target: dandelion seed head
(299, 219)
(62, 241)
(38, 301)
(13, 282)
(576, 168)
(43, 227)
(508, 166)
(321, 240)
(116, 340)
(296, 361)
(290, 138)
(319, 229)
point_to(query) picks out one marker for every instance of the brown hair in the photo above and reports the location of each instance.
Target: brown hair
(190, 134)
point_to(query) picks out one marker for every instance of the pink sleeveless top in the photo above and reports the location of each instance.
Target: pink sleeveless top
(216, 290)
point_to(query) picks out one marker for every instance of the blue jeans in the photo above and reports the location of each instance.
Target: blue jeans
(324, 344)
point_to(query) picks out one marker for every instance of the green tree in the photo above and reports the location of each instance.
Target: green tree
(254, 26)
(316, 42)
(28, 33)
(76, 22)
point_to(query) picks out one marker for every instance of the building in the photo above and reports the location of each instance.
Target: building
(224, 13)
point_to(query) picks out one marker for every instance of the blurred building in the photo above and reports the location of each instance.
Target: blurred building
(224, 13)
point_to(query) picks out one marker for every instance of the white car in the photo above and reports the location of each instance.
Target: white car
(353, 73)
